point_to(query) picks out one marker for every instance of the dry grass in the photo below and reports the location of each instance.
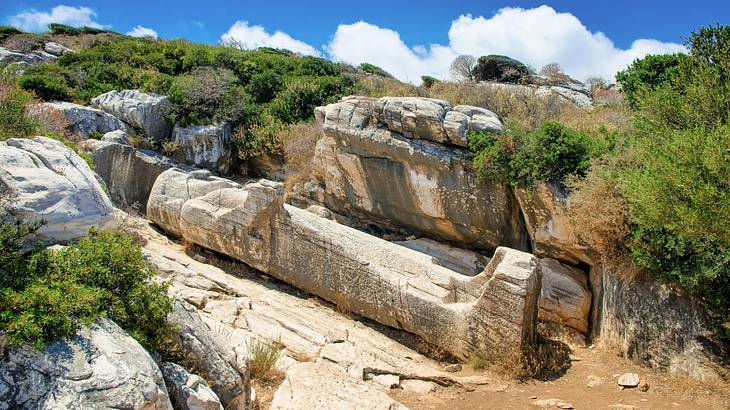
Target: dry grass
(546, 360)
(299, 141)
(342, 304)
(262, 356)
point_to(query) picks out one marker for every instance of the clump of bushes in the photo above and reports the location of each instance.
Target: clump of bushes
(648, 73)
(374, 70)
(47, 295)
(499, 68)
(7, 31)
(14, 120)
(57, 28)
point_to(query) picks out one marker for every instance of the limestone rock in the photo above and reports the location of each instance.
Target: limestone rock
(188, 391)
(565, 298)
(196, 341)
(63, 117)
(49, 181)
(547, 221)
(561, 404)
(56, 49)
(128, 173)
(324, 386)
(205, 146)
(493, 311)
(101, 367)
(144, 111)
(459, 260)
(118, 136)
(594, 381)
(567, 93)
(8, 57)
(370, 169)
(629, 380)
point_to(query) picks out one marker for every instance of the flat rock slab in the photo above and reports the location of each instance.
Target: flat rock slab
(629, 380)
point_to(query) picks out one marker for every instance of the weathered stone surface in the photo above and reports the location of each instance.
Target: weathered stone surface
(567, 92)
(128, 173)
(144, 111)
(368, 168)
(629, 380)
(205, 146)
(662, 327)
(8, 57)
(102, 367)
(547, 221)
(565, 298)
(118, 136)
(188, 391)
(493, 311)
(62, 117)
(196, 341)
(172, 188)
(56, 49)
(459, 260)
(324, 386)
(49, 181)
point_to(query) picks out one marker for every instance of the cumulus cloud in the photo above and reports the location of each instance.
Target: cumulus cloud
(34, 20)
(140, 31)
(250, 37)
(535, 36)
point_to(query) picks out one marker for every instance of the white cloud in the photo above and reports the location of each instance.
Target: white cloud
(139, 31)
(535, 36)
(251, 37)
(34, 20)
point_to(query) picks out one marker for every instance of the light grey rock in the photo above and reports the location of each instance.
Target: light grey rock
(594, 381)
(570, 93)
(118, 136)
(63, 117)
(198, 344)
(459, 260)
(128, 173)
(144, 111)
(547, 403)
(565, 298)
(101, 367)
(48, 181)
(8, 57)
(188, 391)
(56, 49)
(495, 311)
(205, 146)
(629, 380)
(324, 386)
(375, 172)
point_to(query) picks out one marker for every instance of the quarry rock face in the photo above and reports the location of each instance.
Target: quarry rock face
(205, 146)
(46, 180)
(62, 117)
(101, 367)
(378, 159)
(144, 111)
(565, 298)
(493, 311)
(8, 57)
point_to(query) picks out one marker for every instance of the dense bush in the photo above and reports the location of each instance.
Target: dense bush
(47, 88)
(373, 69)
(7, 31)
(14, 121)
(428, 81)
(550, 153)
(648, 73)
(56, 28)
(499, 68)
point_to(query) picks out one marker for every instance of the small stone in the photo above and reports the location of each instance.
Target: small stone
(623, 407)
(390, 381)
(628, 380)
(594, 381)
(200, 258)
(533, 397)
(644, 386)
(453, 368)
(419, 387)
(552, 403)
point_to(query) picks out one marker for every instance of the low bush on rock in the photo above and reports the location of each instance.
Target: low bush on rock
(14, 120)
(499, 68)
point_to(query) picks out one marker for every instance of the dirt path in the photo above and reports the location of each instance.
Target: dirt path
(664, 392)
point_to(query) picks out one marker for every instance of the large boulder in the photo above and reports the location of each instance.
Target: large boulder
(565, 298)
(368, 169)
(56, 49)
(144, 111)
(48, 181)
(101, 367)
(128, 173)
(205, 146)
(64, 117)
(8, 57)
(459, 260)
(188, 391)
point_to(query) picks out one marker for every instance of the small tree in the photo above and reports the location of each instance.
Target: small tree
(553, 71)
(462, 68)
(428, 81)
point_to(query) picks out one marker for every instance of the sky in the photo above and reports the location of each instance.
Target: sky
(408, 39)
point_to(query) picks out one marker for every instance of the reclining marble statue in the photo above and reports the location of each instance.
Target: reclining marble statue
(491, 313)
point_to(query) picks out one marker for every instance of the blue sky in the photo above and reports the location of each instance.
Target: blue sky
(407, 38)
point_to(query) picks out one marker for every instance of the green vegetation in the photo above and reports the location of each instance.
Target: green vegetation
(257, 91)
(47, 295)
(373, 69)
(499, 68)
(648, 73)
(7, 31)
(262, 356)
(14, 121)
(56, 28)
(428, 81)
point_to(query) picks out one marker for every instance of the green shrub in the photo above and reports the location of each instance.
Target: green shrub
(14, 120)
(263, 87)
(428, 81)
(262, 356)
(373, 69)
(47, 88)
(499, 68)
(7, 31)
(648, 73)
(57, 28)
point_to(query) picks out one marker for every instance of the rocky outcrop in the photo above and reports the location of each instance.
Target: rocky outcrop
(198, 345)
(64, 117)
(495, 311)
(569, 92)
(48, 181)
(144, 111)
(118, 136)
(459, 260)
(8, 57)
(56, 49)
(660, 326)
(128, 173)
(369, 168)
(565, 298)
(205, 146)
(325, 385)
(188, 391)
(549, 226)
(101, 367)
